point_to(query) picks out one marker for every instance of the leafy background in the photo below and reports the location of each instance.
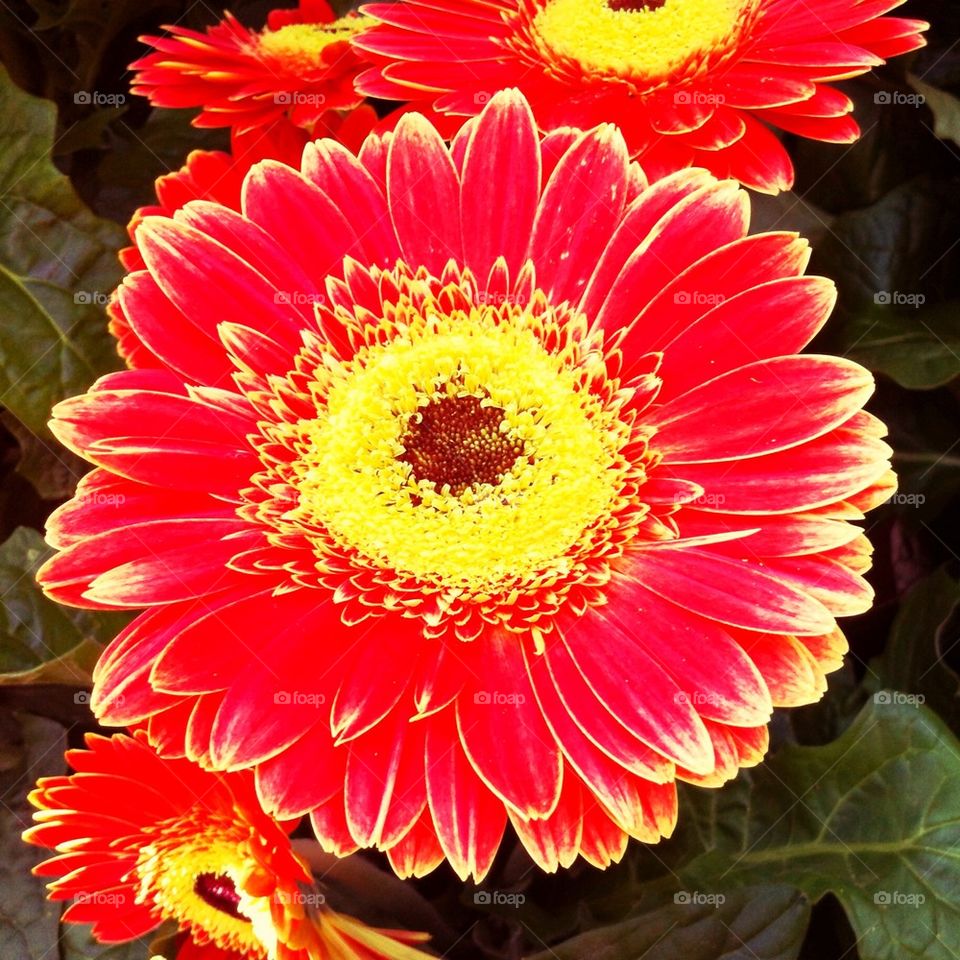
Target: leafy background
(846, 843)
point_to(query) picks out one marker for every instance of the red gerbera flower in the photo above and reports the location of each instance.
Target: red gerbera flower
(501, 495)
(300, 66)
(697, 82)
(143, 840)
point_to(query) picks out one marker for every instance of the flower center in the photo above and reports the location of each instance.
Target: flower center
(194, 870)
(459, 451)
(642, 40)
(220, 892)
(457, 442)
(300, 46)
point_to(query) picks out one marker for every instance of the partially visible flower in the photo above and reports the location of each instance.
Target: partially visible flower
(689, 82)
(142, 840)
(300, 66)
(217, 177)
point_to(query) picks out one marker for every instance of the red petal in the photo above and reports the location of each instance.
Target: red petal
(730, 591)
(503, 731)
(581, 206)
(504, 138)
(468, 818)
(555, 841)
(424, 195)
(385, 790)
(759, 409)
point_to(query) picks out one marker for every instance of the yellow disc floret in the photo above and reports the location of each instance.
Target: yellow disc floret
(641, 41)
(461, 452)
(196, 872)
(300, 46)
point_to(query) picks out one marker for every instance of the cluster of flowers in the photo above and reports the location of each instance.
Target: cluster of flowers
(465, 468)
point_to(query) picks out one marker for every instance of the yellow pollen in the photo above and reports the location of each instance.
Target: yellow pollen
(461, 452)
(195, 874)
(299, 46)
(641, 41)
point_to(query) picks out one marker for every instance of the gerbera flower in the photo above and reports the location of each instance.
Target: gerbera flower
(142, 840)
(476, 484)
(300, 66)
(689, 82)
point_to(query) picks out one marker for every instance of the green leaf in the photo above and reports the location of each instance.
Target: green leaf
(30, 747)
(873, 817)
(945, 108)
(919, 350)
(912, 661)
(57, 265)
(760, 923)
(41, 641)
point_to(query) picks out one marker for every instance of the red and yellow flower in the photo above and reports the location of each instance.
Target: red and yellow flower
(142, 840)
(301, 66)
(689, 82)
(471, 484)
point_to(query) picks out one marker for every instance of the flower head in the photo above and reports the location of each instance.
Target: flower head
(505, 495)
(142, 840)
(689, 82)
(301, 66)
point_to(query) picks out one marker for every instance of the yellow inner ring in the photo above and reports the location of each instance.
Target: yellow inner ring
(352, 482)
(642, 44)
